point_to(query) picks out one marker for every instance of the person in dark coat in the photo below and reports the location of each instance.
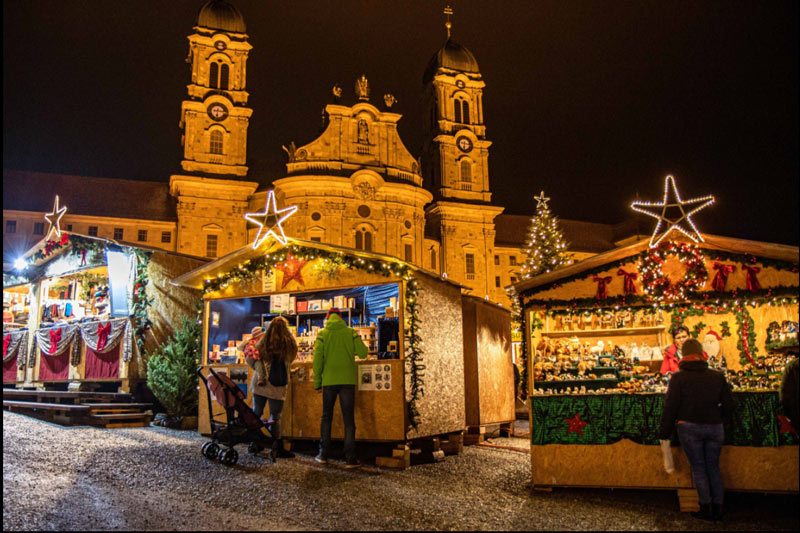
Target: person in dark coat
(789, 393)
(698, 401)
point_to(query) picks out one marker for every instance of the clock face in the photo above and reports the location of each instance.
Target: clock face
(464, 144)
(220, 45)
(217, 112)
(460, 84)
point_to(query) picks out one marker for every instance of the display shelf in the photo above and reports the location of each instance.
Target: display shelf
(782, 348)
(604, 332)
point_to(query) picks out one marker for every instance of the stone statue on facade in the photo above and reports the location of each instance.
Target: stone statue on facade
(362, 88)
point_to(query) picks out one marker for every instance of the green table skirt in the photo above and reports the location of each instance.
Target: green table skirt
(611, 417)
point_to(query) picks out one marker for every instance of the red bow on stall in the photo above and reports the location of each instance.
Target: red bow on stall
(6, 342)
(602, 291)
(630, 277)
(102, 335)
(721, 277)
(55, 337)
(64, 239)
(752, 280)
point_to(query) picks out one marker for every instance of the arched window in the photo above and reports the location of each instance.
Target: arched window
(216, 142)
(213, 75)
(457, 110)
(465, 113)
(466, 170)
(433, 258)
(364, 239)
(223, 78)
(367, 241)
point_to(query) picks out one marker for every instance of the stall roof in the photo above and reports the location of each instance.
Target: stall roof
(196, 277)
(781, 252)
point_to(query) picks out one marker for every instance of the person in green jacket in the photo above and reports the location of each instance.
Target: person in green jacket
(335, 375)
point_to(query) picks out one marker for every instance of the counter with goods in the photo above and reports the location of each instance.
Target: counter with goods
(597, 334)
(412, 383)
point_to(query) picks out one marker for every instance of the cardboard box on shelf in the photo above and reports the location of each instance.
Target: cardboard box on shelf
(327, 304)
(279, 303)
(340, 302)
(389, 311)
(314, 305)
(292, 305)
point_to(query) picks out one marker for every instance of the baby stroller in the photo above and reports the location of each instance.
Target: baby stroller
(242, 426)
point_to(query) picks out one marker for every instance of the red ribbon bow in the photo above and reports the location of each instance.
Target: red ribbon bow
(752, 279)
(6, 342)
(721, 277)
(102, 335)
(64, 239)
(630, 277)
(55, 337)
(602, 291)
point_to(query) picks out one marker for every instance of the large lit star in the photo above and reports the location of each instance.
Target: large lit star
(541, 201)
(673, 199)
(54, 218)
(269, 219)
(291, 269)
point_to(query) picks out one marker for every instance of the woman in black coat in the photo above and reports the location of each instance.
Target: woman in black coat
(698, 400)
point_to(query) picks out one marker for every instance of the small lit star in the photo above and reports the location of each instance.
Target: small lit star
(671, 191)
(54, 218)
(269, 219)
(541, 201)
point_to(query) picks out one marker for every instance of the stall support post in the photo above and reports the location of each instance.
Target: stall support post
(34, 319)
(206, 321)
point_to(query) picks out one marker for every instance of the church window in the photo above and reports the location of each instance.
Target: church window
(364, 239)
(38, 228)
(119, 234)
(496, 259)
(470, 265)
(223, 76)
(466, 170)
(166, 236)
(315, 216)
(213, 75)
(465, 112)
(457, 110)
(364, 211)
(497, 281)
(433, 259)
(512, 260)
(316, 239)
(409, 253)
(216, 142)
(211, 245)
(407, 224)
(11, 226)
(142, 235)
(513, 279)
(92, 231)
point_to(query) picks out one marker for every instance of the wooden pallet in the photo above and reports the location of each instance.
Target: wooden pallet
(77, 410)
(477, 434)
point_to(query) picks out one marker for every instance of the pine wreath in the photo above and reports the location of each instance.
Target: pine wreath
(657, 285)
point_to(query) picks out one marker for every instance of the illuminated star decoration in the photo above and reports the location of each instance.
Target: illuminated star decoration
(576, 424)
(541, 201)
(670, 190)
(54, 218)
(291, 270)
(269, 219)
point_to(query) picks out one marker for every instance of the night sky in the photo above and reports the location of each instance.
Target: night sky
(590, 101)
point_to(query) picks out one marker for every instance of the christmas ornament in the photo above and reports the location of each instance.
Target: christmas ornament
(576, 424)
(723, 271)
(752, 280)
(541, 201)
(672, 199)
(628, 285)
(655, 283)
(602, 290)
(269, 219)
(54, 219)
(55, 337)
(291, 270)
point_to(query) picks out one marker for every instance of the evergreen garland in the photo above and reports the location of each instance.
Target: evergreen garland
(516, 325)
(141, 302)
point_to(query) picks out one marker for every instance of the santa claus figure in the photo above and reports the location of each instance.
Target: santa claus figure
(711, 348)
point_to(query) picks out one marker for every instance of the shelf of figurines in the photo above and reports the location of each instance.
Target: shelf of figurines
(604, 332)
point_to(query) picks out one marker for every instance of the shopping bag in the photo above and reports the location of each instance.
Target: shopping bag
(666, 452)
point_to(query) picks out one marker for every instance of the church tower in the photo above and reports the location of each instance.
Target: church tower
(214, 118)
(211, 201)
(456, 167)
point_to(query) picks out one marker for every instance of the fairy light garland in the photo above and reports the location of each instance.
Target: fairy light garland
(657, 286)
(250, 269)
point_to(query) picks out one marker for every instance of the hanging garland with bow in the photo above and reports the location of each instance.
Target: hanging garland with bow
(658, 286)
(628, 287)
(141, 302)
(53, 341)
(11, 344)
(721, 277)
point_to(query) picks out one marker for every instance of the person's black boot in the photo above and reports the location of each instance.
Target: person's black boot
(283, 453)
(704, 513)
(273, 453)
(716, 512)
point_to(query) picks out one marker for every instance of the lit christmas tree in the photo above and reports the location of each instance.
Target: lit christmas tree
(545, 249)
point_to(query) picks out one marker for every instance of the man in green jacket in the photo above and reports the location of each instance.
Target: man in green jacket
(335, 375)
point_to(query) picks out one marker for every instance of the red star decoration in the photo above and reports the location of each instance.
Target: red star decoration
(291, 270)
(786, 426)
(576, 424)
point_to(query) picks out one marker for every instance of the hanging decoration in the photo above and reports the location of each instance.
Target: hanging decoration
(751, 281)
(292, 270)
(11, 344)
(786, 426)
(54, 340)
(672, 200)
(54, 219)
(657, 285)
(576, 424)
(628, 287)
(602, 289)
(102, 337)
(721, 277)
(269, 219)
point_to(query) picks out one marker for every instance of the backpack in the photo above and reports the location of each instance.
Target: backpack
(277, 373)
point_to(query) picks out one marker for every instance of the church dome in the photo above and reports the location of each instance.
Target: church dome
(451, 56)
(221, 15)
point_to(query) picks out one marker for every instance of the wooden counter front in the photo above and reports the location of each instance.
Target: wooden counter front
(203, 419)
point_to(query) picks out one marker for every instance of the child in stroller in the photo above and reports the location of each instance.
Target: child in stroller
(242, 426)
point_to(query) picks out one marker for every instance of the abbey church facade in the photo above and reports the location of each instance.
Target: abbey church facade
(356, 185)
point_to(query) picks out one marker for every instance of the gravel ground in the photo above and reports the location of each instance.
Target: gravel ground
(82, 478)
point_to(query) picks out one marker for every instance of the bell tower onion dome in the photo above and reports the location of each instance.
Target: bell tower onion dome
(451, 56)
(221, 15)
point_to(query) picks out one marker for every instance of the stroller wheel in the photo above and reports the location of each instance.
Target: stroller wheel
(228, 457)
(210, 450)
(254, 448)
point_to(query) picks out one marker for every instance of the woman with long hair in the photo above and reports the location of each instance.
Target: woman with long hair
(276, 346)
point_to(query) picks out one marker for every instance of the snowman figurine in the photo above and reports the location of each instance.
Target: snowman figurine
(712, 348)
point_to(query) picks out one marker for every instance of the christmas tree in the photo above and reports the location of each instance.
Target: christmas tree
(545, 248)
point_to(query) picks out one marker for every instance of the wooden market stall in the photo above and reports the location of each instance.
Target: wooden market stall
(412, 384)
(488, 370)
(595, 408)
(93, 306)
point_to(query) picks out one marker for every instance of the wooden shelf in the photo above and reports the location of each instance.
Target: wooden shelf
(604, 332)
